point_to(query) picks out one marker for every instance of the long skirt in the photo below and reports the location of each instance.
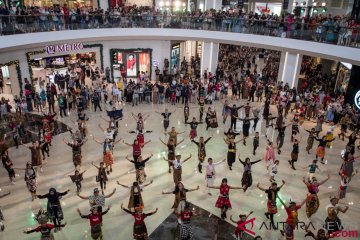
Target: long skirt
(320, 152)
(177, 175)
(294, 156)
(140, 175)
(77, 159)
(140, 231)
(186, 231)
(231, 158)
(312, 204)
(108, 158)
(96, 232)
(310, 143)
(333, 225)
(271, 207)
(223, 202)
(246, 180)
(342, 192)
(31, 185)
(329, 136)
(55, 210)
(193, 134)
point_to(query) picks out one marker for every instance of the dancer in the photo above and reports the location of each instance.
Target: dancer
(166, 116)
(2, 226)
(201, 102)
(294, 153)
(54, 209)
(226, 111)
(321, 235)
(173, 134)
(36, 160)
(231, 154)
(312, 168)
(140, 231)
(76, 151)
(135, 199)
(108, 148)
(193, 126)
(330, 134)
(201, 151)
(332, 221)
(271, 192)
(239, 231)
(45, 229)
(223, 201)
(186, 232)
(269, 124)
(136, 148)
(231, 134)
(344, 121)
(320, 151)
(246, 127)
(344, 183)
(77, 179)
(256, 142)
(177, 166)
(281, 135)
(210, 173)
(101, 177)
(140, 121)
(210, 119)
(95, 219)
(180, 197)
(312, 200)
(234, 115)
(351, 143)
(30, 179)
(97, 200)
(274, 170)
(292, 219)
(139, 164)
(171, 150)
(246, 180)
(8, 165)
(310, 140)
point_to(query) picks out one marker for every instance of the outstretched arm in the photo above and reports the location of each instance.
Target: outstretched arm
(101, 128)
(194, 189)
(122, 185)
(324, 181)
(187, 158)
(4, 195)
(259, 187)
(162, 142)
(126, 210)
(92, 163)
(82, 197)
(283, 183)
(179, 142)
(147, 184)
(231, 219)
(110, 195)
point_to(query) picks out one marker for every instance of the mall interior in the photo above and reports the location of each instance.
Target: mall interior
(179, 119)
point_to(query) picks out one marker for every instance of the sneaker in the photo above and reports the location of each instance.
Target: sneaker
(13, 182)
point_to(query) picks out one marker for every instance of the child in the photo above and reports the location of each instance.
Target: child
(312, 168)
(77, 178)
(330, 134)
(274, 170)
(256, 142)
(239, 231)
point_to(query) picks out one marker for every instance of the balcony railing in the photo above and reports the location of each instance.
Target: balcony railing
(329, 33)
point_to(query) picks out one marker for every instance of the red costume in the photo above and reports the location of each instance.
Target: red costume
(140, 138)
(223, 199)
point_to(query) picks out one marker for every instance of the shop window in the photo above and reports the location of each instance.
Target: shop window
(5, 72)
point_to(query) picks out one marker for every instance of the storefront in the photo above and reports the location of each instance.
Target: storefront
(343, 77)
(70, 3)
(175, 55)
(10, 79)
(131, 62)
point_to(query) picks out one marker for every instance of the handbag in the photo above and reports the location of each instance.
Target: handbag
(97, 179)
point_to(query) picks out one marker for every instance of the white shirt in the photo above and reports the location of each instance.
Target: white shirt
(109, 135)
(210, 169)
(177, 164)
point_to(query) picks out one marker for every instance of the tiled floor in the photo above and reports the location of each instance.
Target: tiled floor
(18, 208)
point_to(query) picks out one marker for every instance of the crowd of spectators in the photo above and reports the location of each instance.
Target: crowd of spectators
(323, 27)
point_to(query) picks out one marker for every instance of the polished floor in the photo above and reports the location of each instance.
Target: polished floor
(18, 208)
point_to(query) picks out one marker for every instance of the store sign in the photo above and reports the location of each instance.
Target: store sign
(357, 100)
(66, 47)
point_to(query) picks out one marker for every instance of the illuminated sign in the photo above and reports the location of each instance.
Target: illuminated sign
(357, 99)
(66, 47)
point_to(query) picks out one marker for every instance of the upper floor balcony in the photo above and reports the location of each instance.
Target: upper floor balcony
(329, 33)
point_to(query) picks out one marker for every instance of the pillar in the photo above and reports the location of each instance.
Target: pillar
(209, 56)
(290, 64)
(353, 87)
(213, 4)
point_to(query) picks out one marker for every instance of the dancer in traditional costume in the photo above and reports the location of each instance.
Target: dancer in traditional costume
(239, 231)
(135, 199)
(320, 151)
(332, 221)
(231, 154)
(140, 230)
(271, 192)
(45, 229)
(136, 146)
(201, 151)
(246, 180)
(76, 151)
(54, 209)
(171, 150)
(77, 179)
(292, 219)
(310, 140)
(177, 166)
(210, 173)
(312, 200)
(95, 218)
(223, 201)
(166, 115)
(193, 126)
(108, 147)
(139, 164)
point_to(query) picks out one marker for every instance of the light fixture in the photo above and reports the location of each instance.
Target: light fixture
(167, 3)
(314, 4)
(161, 3)
(295, 4)
(177, 3)
(323, 4)
(184, 4)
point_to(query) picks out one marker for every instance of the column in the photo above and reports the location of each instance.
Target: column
(213, 4)
(353, 90)
(290, 64)
(209, 56)
(104, 4)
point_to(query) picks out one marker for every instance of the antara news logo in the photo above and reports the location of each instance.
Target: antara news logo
(345, 232)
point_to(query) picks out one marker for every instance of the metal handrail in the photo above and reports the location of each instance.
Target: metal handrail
(330, 33)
